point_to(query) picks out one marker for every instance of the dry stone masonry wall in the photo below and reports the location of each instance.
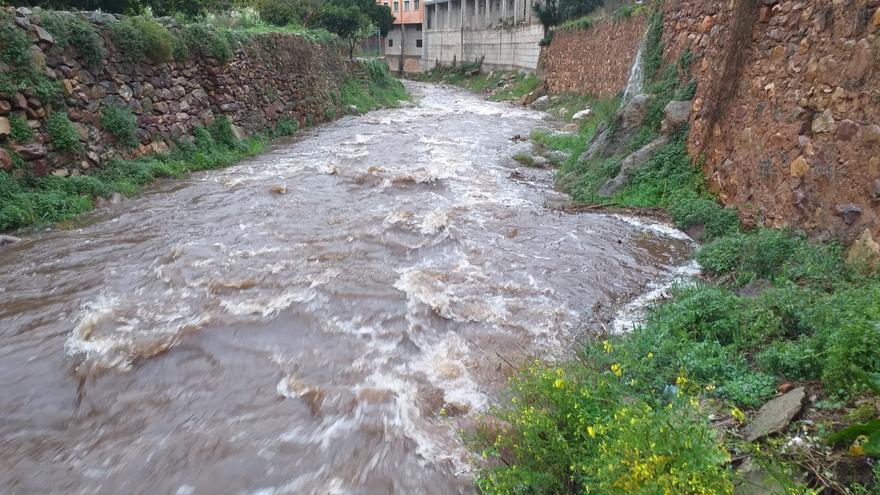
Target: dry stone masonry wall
(269, 77)
(594, 61)
(787, 110)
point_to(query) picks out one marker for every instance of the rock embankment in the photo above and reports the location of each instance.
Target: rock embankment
(262, 80)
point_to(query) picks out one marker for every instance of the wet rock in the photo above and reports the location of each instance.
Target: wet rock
(846, 130)
(798, 167)
(40, 35)
(32, 151)
(582, 114)
(558, 157)
(752, 479)
(541, 103)
(5, 128)
(865, 251)
(754, 289)
(862, 57)
(696, 232)
(635, 110)
(871, 134)
(676, 114)
(630, 164)
(540, 161)
(707, 24)
(572, 127)
(353, 110)
(597, 144)
(823, 122)
(849, 212)
(775, 415)
(5, 159)
(875, 22)
(6, 240)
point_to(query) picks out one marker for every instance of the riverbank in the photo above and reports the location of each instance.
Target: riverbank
(735, 381)
(27, 200)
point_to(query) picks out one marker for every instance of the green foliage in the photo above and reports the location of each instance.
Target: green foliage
(553, 12)
(771, 254)
(380, 90)
(49, 92)
(579, 24)
(157, 41)
(864, 435)
(347, 22)
(20, 131)
(62, 134)
(583, 430)
(653, 53)
(121, 123)
(222, 133)
(203, 40)
(53, 199)
(286, 127)
(69, 30)
(128, 40)
(15, 45)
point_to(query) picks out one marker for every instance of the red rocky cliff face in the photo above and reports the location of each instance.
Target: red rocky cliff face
(797, 143)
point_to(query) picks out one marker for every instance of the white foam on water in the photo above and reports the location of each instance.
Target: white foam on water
(434, 222)
(445, 365)
(657, 228)
(266, 306)
(112, 333)
(633, 313)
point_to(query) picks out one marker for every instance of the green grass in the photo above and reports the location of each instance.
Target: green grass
(62, 134)
(467, 75)
(121, 123)
(379, 90)
(20, 131)
(69, 30)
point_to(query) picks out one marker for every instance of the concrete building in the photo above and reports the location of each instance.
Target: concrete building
(403, 44)
(504, 32)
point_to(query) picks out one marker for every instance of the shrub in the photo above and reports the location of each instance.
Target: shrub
(580, 430)
(286, 127)
(203, 40)
(47, 90)
(20, 131)
(128, 39)
(121, 123)
(8, 186)
(15, 45)
(62, 134)
(69, 30)
(279, 12)
(221, 131)
(158, 42)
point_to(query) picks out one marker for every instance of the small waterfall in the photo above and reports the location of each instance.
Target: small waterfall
(634, 84)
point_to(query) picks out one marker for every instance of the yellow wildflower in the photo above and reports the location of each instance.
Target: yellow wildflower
(607, 346)
(559, 383)
(650, 355)
(615, 368)
(591, 431)
(738, 415)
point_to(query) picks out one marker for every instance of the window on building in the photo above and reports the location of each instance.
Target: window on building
(415, 4)
(396, 6)
(418, 27)
(418, 43)
(390, 42)
(406, 5)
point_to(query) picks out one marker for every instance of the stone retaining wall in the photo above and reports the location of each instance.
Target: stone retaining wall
(594, 61)
(269, 77)
(790, 130)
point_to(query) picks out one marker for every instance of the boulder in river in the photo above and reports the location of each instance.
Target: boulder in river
(8, 239)
(541, 103)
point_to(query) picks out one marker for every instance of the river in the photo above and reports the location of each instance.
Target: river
(320, 319)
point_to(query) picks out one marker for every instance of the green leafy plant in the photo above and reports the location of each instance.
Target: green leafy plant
(128, 40)
(865, 437)
(286, 127)
(15, 45)
(69, 30)
(157, 40)
(20, 131)
(121, 123)
(577, 429)
(205, 41)
(62, 134)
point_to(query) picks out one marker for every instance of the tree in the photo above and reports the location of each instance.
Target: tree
(348, 22)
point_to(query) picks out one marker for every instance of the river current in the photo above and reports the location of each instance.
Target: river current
(321, 319)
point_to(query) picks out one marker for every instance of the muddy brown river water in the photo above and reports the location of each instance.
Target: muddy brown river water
(220, 335)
